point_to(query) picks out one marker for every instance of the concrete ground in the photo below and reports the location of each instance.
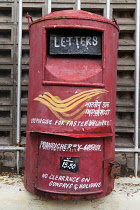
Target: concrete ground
(13, 196)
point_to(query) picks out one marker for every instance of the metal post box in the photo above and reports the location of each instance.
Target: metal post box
(71, 106)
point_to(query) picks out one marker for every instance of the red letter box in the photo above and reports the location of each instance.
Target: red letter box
(71, 106)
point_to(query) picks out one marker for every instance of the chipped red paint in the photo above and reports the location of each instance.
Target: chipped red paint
(71, 108)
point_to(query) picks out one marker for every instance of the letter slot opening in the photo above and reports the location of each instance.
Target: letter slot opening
(74, 56)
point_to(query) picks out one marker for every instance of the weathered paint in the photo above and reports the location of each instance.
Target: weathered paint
(71, 109)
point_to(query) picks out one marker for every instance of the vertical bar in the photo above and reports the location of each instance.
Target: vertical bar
(108, 9)
(19, 77)
(136, 156)
(49, 6)
(137, 73)
(137, 79)
(18, 166)
(78, 4)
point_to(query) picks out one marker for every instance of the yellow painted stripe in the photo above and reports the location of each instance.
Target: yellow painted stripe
(80, 115)
(61, 118)
(62, 110)
(75, 112)
(57, 115)
(68, 103)
(55, 99)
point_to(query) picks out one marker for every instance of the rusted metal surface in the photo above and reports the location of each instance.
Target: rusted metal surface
(71, 108)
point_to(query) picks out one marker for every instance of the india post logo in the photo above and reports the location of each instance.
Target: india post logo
(72, 108)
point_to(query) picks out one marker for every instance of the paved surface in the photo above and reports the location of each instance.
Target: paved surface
(13, 196)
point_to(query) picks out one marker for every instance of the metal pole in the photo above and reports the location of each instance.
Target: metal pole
(49, 7)
(78, 5)
(137, 83)
(127, 150)
(108, 9)
(136, 156)
(137, 74)
(19, 77)
(18, 165)
(11, 148)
